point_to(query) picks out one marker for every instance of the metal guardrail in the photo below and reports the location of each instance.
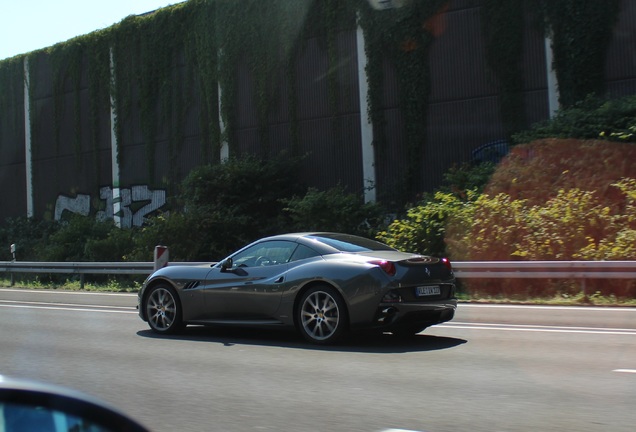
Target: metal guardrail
(577, 270)
(77, 267)
(580, 270)
(84, 268)
(545, 269)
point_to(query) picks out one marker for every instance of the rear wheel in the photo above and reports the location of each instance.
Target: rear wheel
(163, 310)
(321, 315)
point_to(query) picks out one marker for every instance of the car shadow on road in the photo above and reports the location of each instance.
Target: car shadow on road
(361, 342)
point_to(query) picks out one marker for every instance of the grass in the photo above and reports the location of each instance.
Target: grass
(558, 299)
(111, 285)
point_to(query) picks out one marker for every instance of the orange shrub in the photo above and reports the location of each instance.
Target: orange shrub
(554, 200)
(539, 170)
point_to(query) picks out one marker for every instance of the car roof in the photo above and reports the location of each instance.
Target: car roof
(309, 239)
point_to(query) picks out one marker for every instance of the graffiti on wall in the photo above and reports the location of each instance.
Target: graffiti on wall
(81, 204)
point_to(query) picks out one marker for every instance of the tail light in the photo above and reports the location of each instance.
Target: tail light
(447, 263)
(387, 266)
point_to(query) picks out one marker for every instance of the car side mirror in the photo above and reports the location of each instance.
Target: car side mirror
(27, 405)
(226, 264)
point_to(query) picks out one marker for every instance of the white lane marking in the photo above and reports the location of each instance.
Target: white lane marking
(75, 309)
(632, 371)
(539, 329)
(63, 304)
(398, 430)
(459, 323)
(547, 307)
(67, 292)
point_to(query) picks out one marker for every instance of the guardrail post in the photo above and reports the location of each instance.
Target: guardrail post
(161, 257)
(12, 249)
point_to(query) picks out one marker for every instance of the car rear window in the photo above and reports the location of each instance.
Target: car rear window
(349, 243)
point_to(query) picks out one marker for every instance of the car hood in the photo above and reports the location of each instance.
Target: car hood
(198, 271)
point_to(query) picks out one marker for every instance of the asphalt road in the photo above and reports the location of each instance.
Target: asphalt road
(494, 368)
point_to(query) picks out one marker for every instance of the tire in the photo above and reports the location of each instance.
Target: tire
(321, 315)
(163, 310)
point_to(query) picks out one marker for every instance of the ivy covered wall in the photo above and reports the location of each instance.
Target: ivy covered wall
(12, 185)
(581, 32)
(266, 77)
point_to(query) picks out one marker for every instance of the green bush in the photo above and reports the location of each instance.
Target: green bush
(333, 210)
(115, 245)
(589, 119)
(625, 135)
(619, 241)
(182, 233)
(573, 225)
(230, 204)
(29, 235)
(424, 228)
(491, 228)
(80, 238)
(467, 176)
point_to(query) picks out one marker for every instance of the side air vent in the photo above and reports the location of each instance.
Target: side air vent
(191, 285)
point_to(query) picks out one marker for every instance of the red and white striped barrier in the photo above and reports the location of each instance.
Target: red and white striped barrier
(161, 257)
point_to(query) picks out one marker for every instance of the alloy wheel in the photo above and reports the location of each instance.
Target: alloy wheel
(161, 310)
(320, 316)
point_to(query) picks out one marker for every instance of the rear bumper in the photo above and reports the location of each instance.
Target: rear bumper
(391, 315)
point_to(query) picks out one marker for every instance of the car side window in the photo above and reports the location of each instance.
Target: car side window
(264, 254)
(303, 252)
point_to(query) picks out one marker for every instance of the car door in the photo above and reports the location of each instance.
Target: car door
(252, 288)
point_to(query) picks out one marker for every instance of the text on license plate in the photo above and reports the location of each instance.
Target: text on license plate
(422, 291)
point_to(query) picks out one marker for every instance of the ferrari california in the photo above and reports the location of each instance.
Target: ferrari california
(322, 284)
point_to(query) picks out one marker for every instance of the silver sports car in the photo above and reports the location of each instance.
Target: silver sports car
(323, 284)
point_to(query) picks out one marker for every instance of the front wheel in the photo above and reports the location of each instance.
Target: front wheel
(163, 310)
(322, 315)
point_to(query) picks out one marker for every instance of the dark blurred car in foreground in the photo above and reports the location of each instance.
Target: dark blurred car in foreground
(323, 284)
(39, 407)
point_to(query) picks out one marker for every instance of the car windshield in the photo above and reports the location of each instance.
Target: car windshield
(349, 243)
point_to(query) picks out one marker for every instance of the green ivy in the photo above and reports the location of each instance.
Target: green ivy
(146, 51)
(162, 59)
(215, 38)
(11, 93)
(66, 65)
(502, 26)
(400, 36)
(202, 54)
(581, 32)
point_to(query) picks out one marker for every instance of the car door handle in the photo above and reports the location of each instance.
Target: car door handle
(280, 280)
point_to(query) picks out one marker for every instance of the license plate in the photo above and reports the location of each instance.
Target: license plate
(427, 291)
